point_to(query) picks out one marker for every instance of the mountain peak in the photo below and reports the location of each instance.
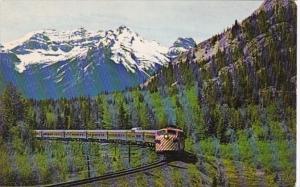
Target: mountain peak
(123, 27)
(125, 31)
(268, 5)
(184, 42)
(181, 45)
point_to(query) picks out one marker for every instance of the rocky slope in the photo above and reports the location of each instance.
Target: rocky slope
(251, 59)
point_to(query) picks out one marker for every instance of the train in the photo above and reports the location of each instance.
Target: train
(170, 139)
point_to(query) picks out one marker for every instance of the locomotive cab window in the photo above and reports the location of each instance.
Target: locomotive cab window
(161, 132)
(172, 132)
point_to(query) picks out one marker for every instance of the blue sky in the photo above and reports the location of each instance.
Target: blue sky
(163, 21)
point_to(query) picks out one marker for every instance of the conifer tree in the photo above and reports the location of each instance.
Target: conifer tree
(12, 109)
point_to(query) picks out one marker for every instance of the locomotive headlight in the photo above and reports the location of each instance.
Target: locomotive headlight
(166, 136)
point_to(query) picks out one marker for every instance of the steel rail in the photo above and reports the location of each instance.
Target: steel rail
(107, 176)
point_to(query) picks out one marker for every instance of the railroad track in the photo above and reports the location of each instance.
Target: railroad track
(120, 173)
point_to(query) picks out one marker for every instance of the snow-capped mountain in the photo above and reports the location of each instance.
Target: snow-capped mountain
(50, 46)
(50, 63)
(179, 46)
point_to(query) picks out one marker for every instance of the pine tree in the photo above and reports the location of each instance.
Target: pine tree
(60, 122)
(106, 117)
(12, 109)
(123, 117)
